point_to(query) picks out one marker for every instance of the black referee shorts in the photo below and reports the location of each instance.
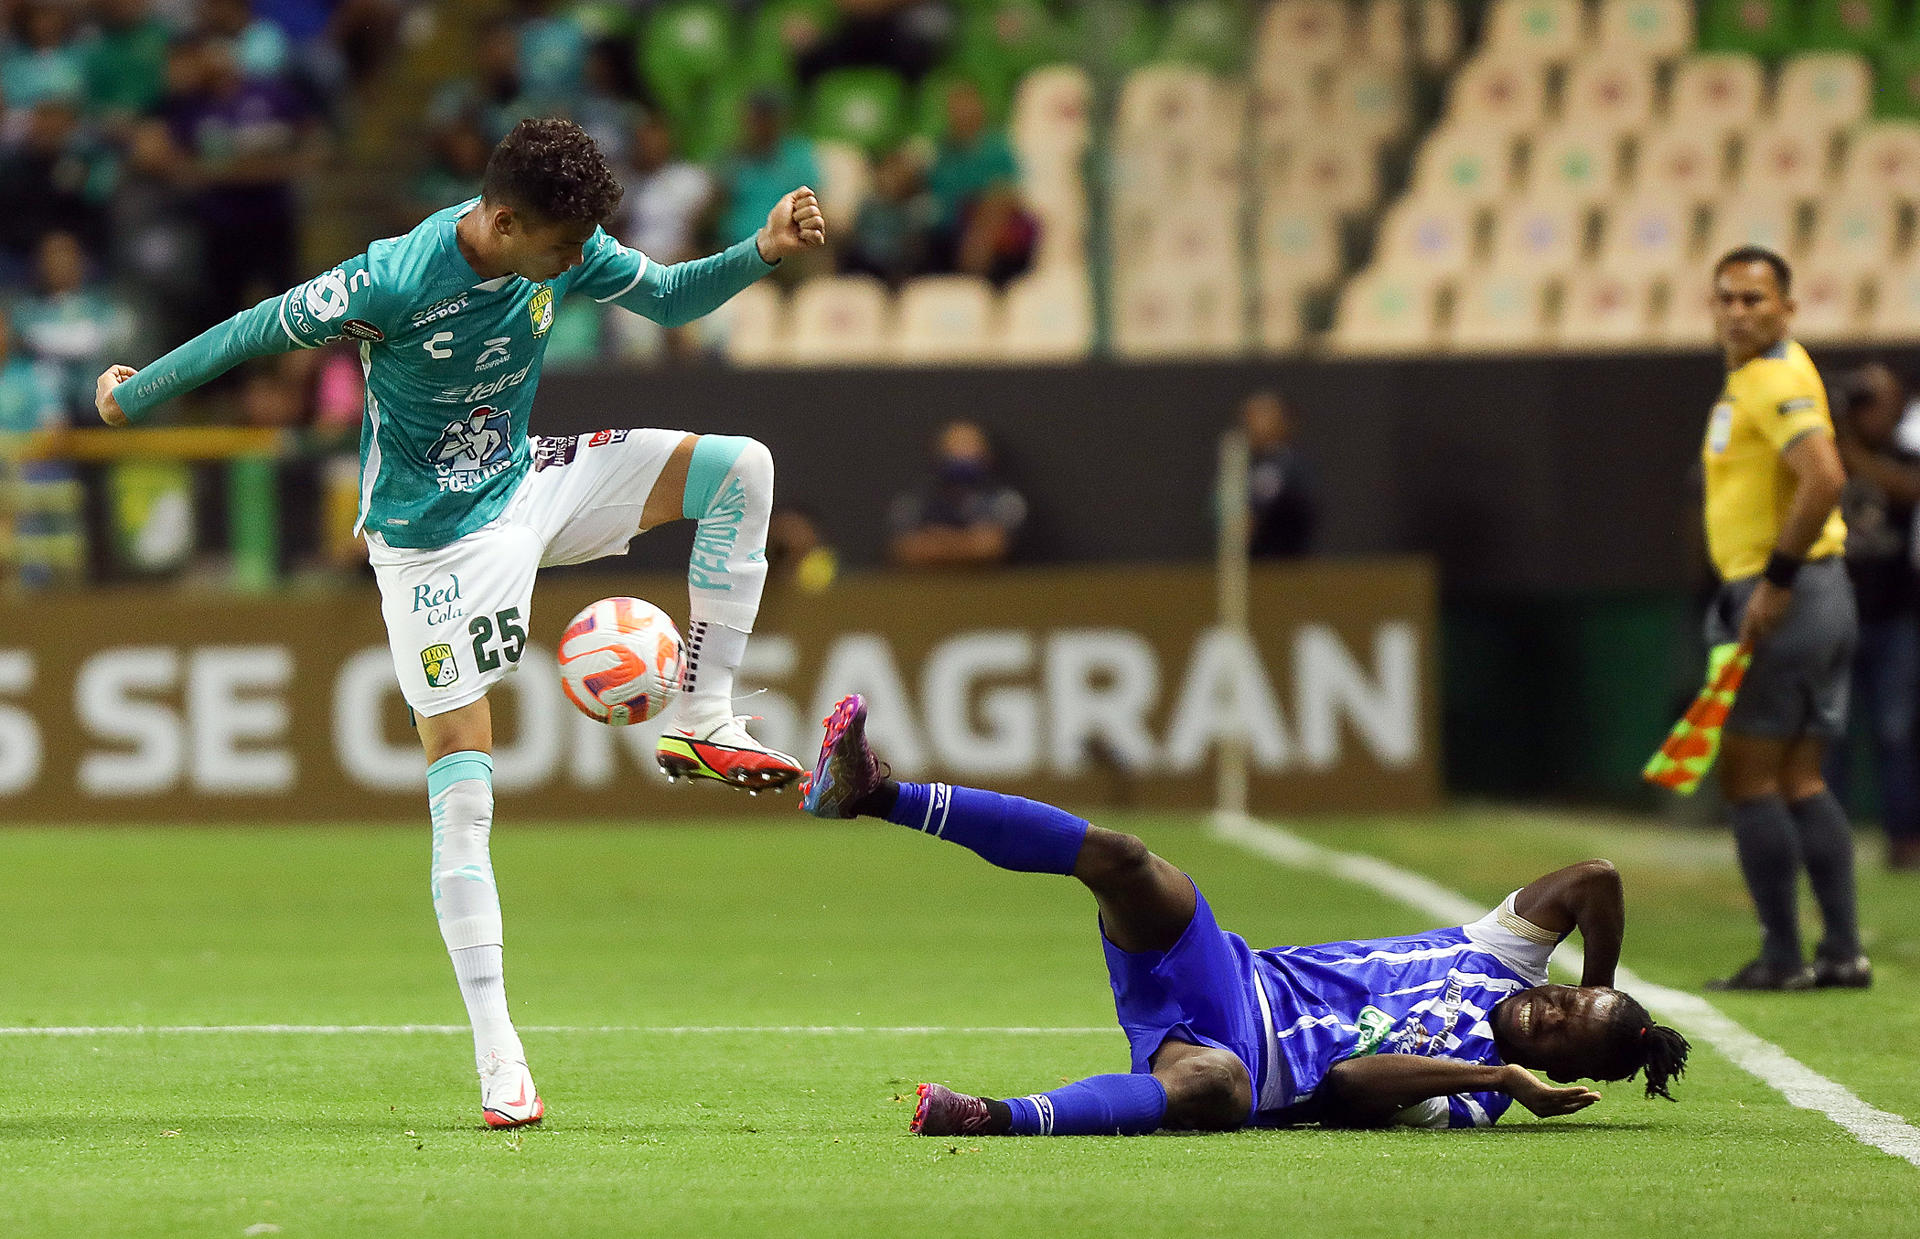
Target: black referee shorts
(1798, 683)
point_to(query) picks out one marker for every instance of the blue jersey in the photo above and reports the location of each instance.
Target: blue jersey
(1429, 993)
(451, 360)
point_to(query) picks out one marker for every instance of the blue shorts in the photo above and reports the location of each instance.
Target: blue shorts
(1200, 991)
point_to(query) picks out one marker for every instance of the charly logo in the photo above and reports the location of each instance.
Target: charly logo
(472, 449)
(437, 662)
(540, 309)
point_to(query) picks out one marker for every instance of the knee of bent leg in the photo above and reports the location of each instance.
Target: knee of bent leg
(1208, 1090)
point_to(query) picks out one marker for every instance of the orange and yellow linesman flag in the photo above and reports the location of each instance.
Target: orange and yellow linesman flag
(1690, 747)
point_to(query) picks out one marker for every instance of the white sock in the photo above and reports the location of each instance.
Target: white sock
(465, 900)
(730, 492)
(713, 653)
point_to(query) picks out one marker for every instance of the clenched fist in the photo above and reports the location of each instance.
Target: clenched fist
(795, 224)
(110, 411)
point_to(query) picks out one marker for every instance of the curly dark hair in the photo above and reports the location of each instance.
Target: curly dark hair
(1636, 1043)
(551, 168)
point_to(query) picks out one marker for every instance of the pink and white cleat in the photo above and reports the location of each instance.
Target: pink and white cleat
(943, 1112)
(507, 1095)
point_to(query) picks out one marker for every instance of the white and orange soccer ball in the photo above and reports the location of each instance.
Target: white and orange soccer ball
(620, 661)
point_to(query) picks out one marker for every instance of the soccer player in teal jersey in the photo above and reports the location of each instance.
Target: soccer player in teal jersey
(460, 507)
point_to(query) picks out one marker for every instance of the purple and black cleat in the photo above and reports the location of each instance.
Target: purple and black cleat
(847, 771)
(943, 1112)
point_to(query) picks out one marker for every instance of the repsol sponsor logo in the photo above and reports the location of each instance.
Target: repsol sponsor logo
(482, 391)
(439, 310)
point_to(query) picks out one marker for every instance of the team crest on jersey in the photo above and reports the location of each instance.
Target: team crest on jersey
(437, 662)
(1720, 427)
(540, 309)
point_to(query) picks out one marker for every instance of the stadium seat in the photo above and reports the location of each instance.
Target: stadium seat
(1649, 233)
(1439, 39)
(863, 107)
(944, 318)
(1002, 40)
(1655, 29)
(1717, 93)
(1542, 31)
(1369, 100)
(752, 325)
(1755, 27)
(1284, 112)
(1112, 37)
(1826, 305)
(1682, 162)
(1293, 35)
(1538, 237)
(1436, 237)
(1207, 33)
(1279, 326)
(1383, 33)
(1296, 244)
(1053, 116)
(1577, 165)
(1848, 25)
(1603, 310)
(1047, 316)
(1884, 157)
(1059, 203)
(1785, 163)
(1167, 104)
(1337, 173)
(1854, 233)
(1197, 232)
(1896, 306)
(838, 319)
(1470, 164)
(1827, 89)
(1173, 312)
(1897, 87)
(1498, 94)
(779, 29)
(845, 177)
(1612, 92)
(1688, 320)
(1500, 311)
(685, 46)
(1386, 312)
(1742, 220)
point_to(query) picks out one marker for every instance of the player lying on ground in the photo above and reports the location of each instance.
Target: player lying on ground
(461, 508)
(1436, 1029)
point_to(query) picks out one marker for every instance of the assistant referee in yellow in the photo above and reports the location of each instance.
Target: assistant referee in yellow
(1773, 480)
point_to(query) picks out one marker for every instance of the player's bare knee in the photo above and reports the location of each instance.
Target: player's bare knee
(1207, 1090)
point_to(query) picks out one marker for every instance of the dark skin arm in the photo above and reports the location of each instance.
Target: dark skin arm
(1370, 1091)
(1818, 478)
(1587, 897)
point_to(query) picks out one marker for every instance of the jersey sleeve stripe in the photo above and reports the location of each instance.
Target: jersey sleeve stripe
(281, 311)
(645, 262)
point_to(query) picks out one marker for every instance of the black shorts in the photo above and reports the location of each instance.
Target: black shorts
(1798, 683)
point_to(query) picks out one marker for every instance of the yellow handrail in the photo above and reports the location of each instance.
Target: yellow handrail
(157, 443)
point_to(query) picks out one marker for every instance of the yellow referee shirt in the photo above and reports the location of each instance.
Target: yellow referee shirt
(1766, 404)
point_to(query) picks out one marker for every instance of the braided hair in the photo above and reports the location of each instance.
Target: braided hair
(1635, 1043)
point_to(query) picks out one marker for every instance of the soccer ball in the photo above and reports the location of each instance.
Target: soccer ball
(620, 661)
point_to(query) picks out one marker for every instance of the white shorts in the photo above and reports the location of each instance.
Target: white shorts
(457, 615)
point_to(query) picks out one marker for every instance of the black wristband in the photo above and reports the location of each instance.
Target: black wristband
(1781, 569)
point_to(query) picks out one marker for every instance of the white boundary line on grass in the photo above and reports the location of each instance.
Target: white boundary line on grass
(677, 1030)
(1800, 1084)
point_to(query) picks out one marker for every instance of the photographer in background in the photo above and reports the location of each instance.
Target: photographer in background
(1883, 486)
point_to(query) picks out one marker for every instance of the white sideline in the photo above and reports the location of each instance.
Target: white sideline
(1800, 1084)
(676, 1030)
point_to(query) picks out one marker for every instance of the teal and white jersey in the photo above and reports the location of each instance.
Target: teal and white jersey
(451, 360)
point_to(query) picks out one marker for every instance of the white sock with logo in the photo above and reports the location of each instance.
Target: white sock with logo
(465, 900)
(730, 492)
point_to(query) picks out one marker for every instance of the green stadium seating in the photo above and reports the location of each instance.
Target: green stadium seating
(685, 48)
(1000, 41)
(1897, 83)
(1211, 34)
(930, 103)
(772, 32)
(1758, 27)
(1849, 25)
(864, 107)
(1112, 36)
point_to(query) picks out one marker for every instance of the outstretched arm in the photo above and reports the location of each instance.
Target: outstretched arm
(676, 295)
(1372, 1091)
(1587, 897)
(124, 395)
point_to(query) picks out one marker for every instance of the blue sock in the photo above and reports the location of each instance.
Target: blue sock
(1129, 1105)
(1022, 835)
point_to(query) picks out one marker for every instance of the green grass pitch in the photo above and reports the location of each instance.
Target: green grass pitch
(617, 934)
